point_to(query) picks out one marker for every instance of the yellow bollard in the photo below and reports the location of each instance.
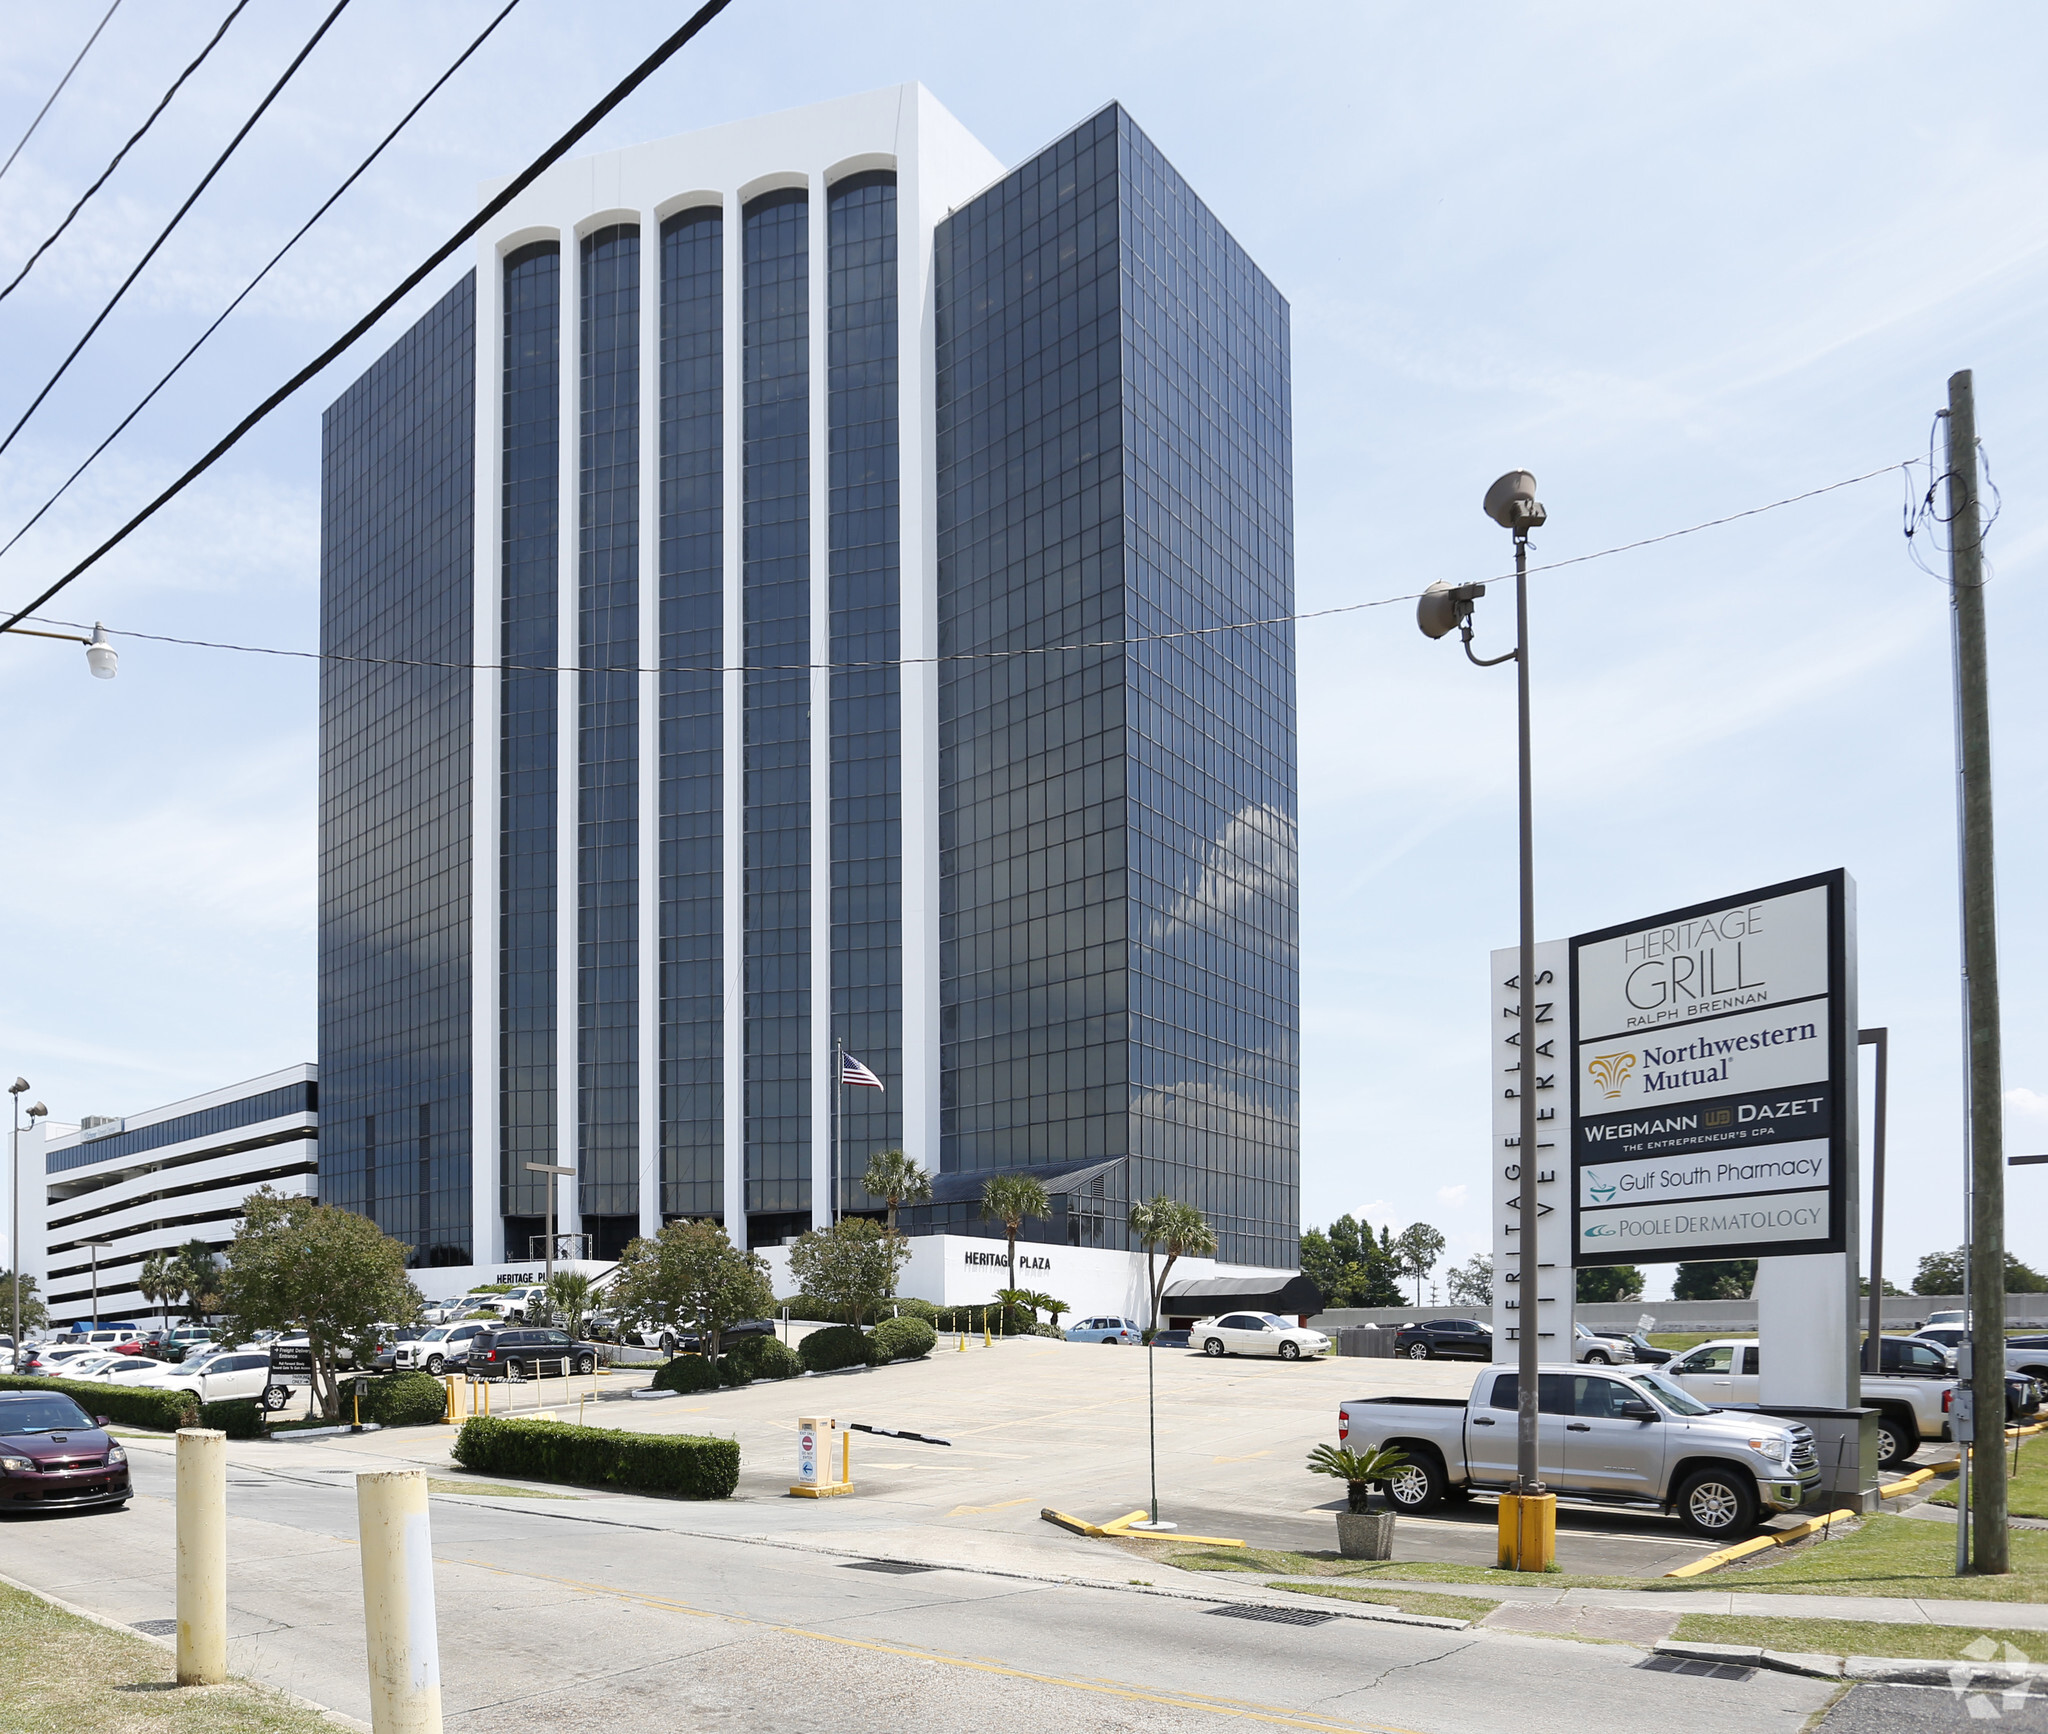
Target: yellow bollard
(960, 1341)
(846, 1457)
(202, 1519)
(398, 1602)
(1527, 1539)
(987, 1341)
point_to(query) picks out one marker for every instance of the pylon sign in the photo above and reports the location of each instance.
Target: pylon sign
(1713, 1081)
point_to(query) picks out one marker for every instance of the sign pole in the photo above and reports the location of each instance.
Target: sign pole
(1528, 1476)
(552, 1171)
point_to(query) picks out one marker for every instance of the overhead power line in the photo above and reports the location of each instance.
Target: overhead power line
(511, 666)
(177, 216)
(249, 288)
(134, 139)
(526, 177)
(59, 91)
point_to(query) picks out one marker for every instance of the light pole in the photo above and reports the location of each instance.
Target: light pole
(550, 1170)
(1528, 1537)
(17, 1089)
(97, 1247)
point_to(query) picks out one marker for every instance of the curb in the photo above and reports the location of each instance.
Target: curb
(1882, 1670)
(1756, 1544)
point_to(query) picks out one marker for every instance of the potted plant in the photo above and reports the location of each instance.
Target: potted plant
(1362, 1533)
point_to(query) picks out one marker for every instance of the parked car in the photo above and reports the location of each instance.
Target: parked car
(227, 1373)
(1912, 1397)
(1445, 1339)
(1610, 1436)
(1955, 1316)
(128, 1370)
(1643, 1351)
(112, 1338)
(528, 1351)
(690, 1340)
(1172, 1339)
(432, 1350)
(1590, 1346)
(54, 1456)
(2025, 1356)
(389, 1342)
(1105, 1328)
(186, 1341)
(1258, 1334)
(50, 1359)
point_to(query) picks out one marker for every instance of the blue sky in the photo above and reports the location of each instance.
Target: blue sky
(1679, 262)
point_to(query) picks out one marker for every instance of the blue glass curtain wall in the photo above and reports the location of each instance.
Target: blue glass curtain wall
(529, 635)
(867, 761)
(608, 741)
(397, 556)
(692, 529)
(775, 552)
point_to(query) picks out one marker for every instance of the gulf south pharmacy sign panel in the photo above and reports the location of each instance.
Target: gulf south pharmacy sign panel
(1712, 1063)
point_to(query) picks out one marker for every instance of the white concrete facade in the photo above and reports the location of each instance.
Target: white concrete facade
(937, 165)
(144, 1196)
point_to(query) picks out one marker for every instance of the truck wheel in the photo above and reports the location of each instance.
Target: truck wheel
(1719, 1504)
(1418, 1351)
(1417, 1485)
(1213, 1346)
(1897, 1440)
(1596, 1359)
(586, 1363)
(435, 1363)
(275, 1397)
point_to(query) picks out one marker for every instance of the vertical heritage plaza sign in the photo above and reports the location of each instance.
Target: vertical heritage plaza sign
(1713, 1095)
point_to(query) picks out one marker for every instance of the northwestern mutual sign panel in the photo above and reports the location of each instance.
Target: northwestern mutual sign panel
(1711, 1078)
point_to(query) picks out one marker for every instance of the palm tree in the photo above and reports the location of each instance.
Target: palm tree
(568, 1298)
(1177, 1226)
(1010, 1198)
(157, 1282)
(897, 1178)
(196, 1276)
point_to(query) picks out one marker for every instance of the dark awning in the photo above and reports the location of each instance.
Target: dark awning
(1251, 1294)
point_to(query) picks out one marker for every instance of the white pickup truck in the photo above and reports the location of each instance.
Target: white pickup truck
(1912, 1395)
(1611, 1436)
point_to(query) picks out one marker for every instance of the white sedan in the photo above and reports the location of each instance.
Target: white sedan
(1257, 1334)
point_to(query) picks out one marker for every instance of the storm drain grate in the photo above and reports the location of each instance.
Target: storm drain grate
(155, 1628)
(1698, 1669)
(1273, 1616)
(895, 1567)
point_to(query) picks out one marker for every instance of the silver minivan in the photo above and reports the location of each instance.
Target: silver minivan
(432, 1351)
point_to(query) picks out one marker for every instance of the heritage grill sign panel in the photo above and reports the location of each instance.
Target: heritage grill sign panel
(1712, 1055)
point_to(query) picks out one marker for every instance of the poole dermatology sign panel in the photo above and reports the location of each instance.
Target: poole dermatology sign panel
(1711, 1080)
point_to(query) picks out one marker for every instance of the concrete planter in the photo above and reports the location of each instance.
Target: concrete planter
(1365, 1534)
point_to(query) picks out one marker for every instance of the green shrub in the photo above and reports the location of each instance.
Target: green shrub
(237, 1417)
(161, 1411)
(412, 1399)
(687, 1374)
(905, 1339)
(813, 1311)
(758, 1358)
(838, 1346)
(692, 1466)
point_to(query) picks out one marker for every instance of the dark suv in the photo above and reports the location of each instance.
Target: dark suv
(55, 1457)
(525, 1352)
(1445, 1340)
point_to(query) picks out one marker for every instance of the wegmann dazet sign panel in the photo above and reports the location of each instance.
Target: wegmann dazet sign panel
(1710, 1047)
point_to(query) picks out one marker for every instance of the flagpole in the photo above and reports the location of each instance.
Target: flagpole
(838, 1118)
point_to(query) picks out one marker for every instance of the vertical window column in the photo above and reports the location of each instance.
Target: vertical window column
(527, 778)
(775, 611)
(692, 771)
(867, 764)
(608, 746)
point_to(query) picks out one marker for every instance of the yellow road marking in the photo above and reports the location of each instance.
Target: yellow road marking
(983, 1510)
(1248, 1457)
(1214, 1703)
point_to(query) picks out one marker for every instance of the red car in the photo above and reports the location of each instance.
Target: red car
(56, 1457)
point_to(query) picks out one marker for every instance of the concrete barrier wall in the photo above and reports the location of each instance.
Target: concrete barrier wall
(1730, 1317)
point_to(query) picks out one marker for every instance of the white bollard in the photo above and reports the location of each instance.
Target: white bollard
(398, 1602)
(202, 1557)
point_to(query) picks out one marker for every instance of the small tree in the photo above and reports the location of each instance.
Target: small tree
(1472, 1281)
(1714, 1279)
(196, 1276)
(1942, 1273)
(853, 1264)
(1010, 1199)
(1418, 1249)
(34, 1315)
(691, 1275)
(568, 1300)
(898, 1179)
(157, 1281)
(294, 1264)
(1610, 1282)
(1360, 1471)
(1178, 1227)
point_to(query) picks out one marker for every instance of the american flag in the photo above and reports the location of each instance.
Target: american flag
(851, 1071)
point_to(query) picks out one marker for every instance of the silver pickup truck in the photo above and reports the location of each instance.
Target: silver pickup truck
(1620, 1436)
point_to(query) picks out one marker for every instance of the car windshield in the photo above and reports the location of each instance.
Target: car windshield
(1676, 1398)
(40, 1414)
(439, 1334)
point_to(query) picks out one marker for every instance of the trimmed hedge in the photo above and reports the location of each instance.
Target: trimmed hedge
(685, 1373)
(813, 1311)
(838, 1346)
(237, 1417)
(688, 1465)
(905, 1339)
(758, 1358)
(160, 1411)
(412, 1399)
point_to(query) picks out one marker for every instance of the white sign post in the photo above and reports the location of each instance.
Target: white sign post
(1713, 1110)
(1553, 1280)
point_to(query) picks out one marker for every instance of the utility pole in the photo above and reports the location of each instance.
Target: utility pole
(1980, 980)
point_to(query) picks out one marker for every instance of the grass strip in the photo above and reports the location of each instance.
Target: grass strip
(1403, 1601)
(1331, 1565)
(64, 1674)
(2026, 1494)
(1857, 1637)
(1889, 1555)
(491, 1489)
